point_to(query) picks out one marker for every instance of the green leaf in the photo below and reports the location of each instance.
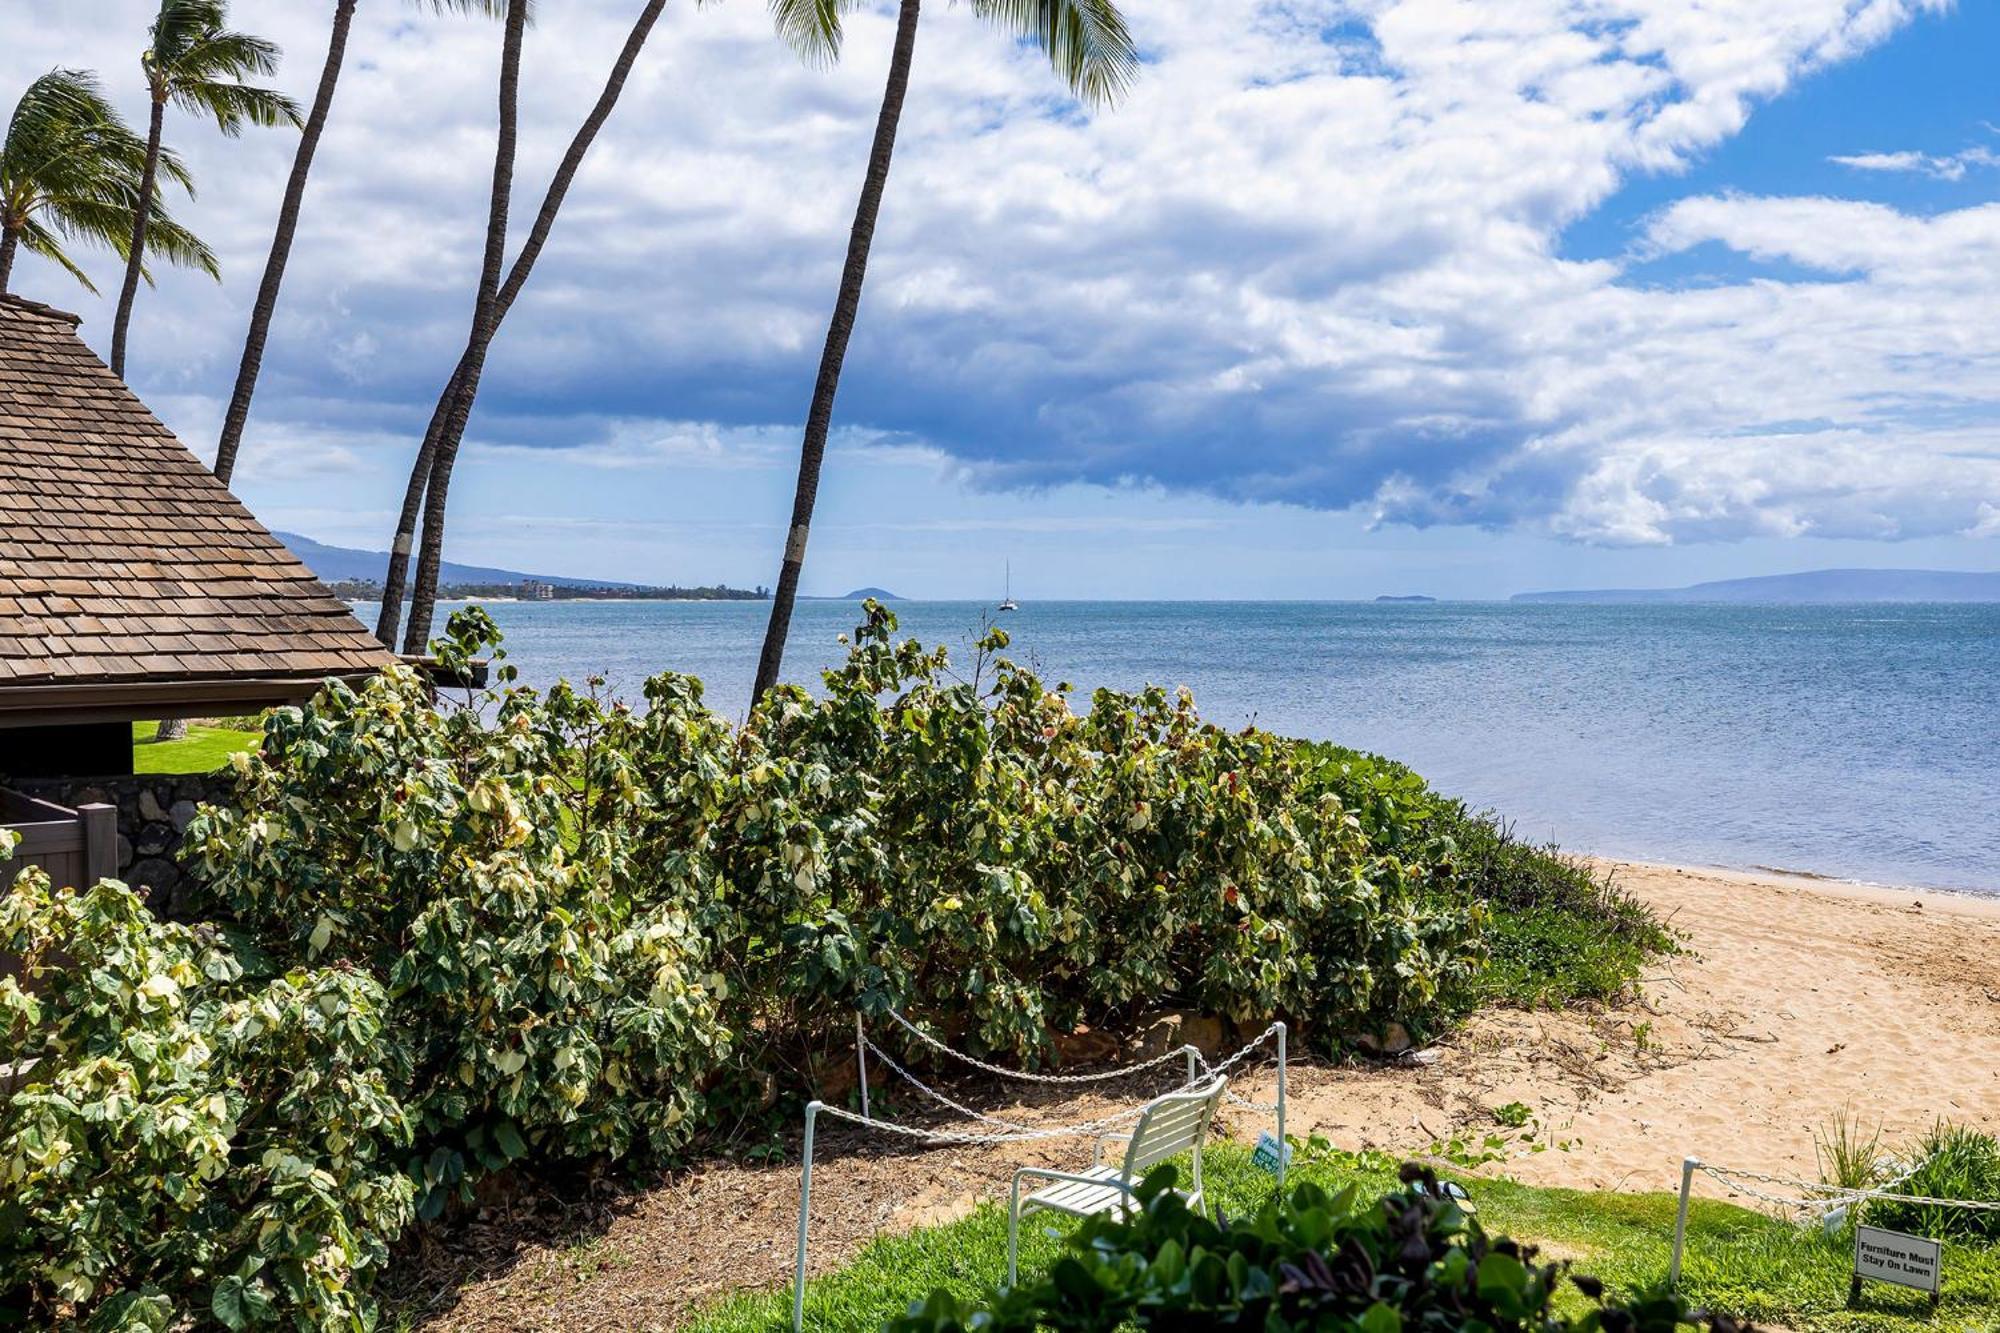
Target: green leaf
(510, 1140)
(230, 1305)
(1380, 1318)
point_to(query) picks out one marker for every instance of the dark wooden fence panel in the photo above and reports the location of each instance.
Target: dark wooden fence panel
(77, 847)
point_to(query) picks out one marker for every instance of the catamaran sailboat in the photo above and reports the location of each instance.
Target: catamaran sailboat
(1007, 602)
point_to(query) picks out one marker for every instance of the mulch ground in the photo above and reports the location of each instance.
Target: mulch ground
(600, 1255)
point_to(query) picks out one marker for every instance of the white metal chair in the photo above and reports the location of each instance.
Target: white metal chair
(1170, 1126)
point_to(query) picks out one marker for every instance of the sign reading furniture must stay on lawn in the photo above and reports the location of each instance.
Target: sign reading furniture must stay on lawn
(1891, 1256)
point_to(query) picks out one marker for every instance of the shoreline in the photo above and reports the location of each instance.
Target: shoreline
(1980, 903)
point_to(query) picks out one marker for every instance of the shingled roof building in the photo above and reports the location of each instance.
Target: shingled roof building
(133, 585)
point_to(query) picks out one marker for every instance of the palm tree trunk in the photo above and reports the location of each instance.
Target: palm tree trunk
(142, 213)
(266, 306)
(464, 386)
(10, 240)
(482, 315)
(812, 452)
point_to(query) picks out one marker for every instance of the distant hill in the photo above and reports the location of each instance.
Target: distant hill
(1407, 597)
(858, 595)
(337, 563)
(1819, 585)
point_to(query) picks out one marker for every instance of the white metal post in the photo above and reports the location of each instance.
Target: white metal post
(1688, 1166)
(861, 1059)
(805, 1215)
(1192, 1056)
(1281, 1107)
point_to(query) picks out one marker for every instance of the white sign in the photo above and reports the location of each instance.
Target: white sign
(1890, 1256)
(1265, 1154)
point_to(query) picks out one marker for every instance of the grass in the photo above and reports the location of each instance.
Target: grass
(1553, 957)
(1957, 1162)
(203, 750)
(1737, 1260)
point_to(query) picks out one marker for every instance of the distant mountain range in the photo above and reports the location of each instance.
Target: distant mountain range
(336, 563)
(1819, 585)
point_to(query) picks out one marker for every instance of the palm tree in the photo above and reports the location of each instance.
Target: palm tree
(265, 309)
(484, 302)
(198, 65)
(1091, 51)
(69, 172)
(430, 477)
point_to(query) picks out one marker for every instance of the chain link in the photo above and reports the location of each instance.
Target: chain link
(937, 1096)
(1241, 1055)
(1834, 1195)
(1011, 1131)
(1022, 1075)
(1014, 1132)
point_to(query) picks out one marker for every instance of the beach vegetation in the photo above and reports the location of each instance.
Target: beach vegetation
(184, 1138)
(1953, 1161)
(1559, 931)
(1849, 1154)
(1309, 1259)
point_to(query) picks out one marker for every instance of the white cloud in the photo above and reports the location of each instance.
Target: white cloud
(1948, 167)
(1312, 259)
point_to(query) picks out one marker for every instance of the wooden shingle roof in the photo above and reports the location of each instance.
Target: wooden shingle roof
(123, 561)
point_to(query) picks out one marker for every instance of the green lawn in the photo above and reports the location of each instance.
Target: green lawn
(1737, 1260)
(203, 750)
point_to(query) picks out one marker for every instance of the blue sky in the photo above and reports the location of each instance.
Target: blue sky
(1451, 296)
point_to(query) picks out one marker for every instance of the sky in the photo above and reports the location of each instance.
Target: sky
(1458, 297)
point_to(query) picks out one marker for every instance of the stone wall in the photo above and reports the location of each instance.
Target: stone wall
(153, 811)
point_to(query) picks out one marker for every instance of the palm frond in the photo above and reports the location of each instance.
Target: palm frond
(235, 105)
(180, 247)
(179, 24)
(231, 55)
(104, 222)
(70, 172)
(493, 9)
(811, 27)
(203, 67)
(1087, 41)
(39, 240)
(59, 120)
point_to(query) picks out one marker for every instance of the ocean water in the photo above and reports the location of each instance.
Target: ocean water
(1860, 742)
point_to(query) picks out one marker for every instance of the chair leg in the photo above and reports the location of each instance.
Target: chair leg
(1013, 1230)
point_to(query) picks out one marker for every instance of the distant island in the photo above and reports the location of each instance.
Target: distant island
(1407, 597)
(858, 595)
(1819, 585)
(356, 575)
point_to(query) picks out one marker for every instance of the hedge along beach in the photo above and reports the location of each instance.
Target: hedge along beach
(1848, 741)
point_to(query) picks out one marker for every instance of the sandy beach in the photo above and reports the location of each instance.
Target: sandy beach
(1794, 997)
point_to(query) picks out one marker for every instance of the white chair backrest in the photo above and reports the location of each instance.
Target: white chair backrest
(1172, 1125)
